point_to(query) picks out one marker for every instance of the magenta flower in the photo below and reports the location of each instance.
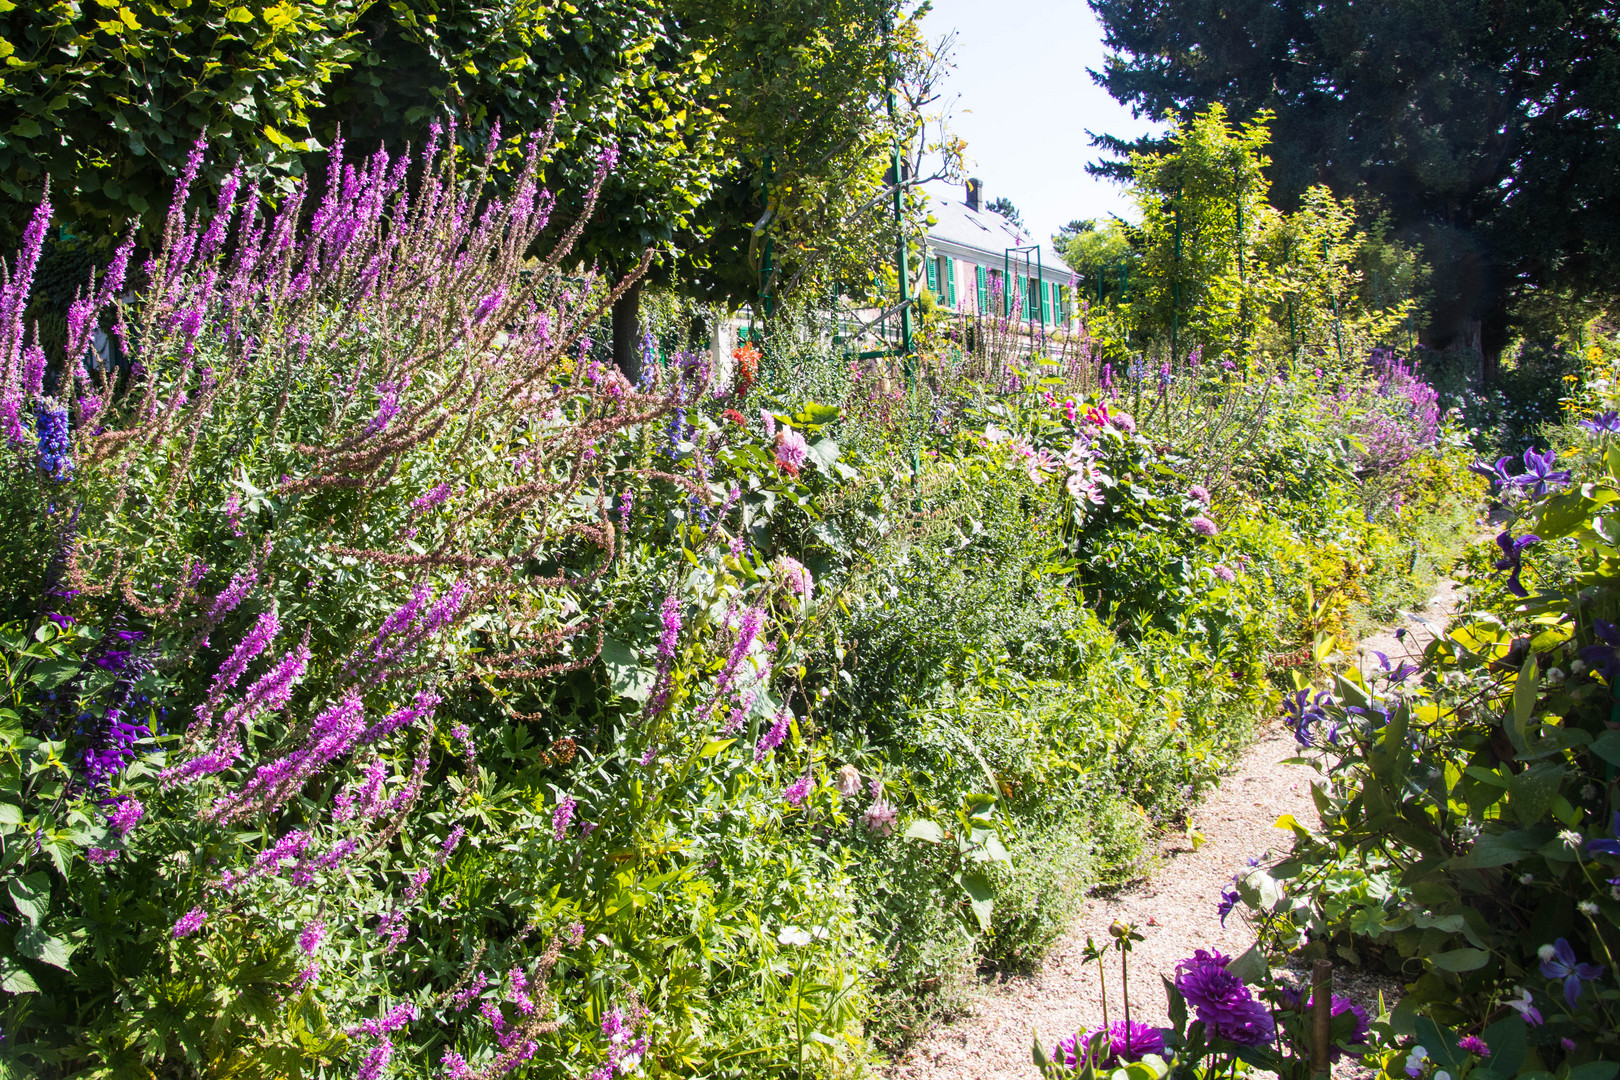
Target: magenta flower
(189, 923)
(1198, 493)
(1203, 526)
(1224, 572)
(310, 938)
(796, 792)
(772, 738)
(1473, 1044)
(561, 816)
(125, 815)
(1125, 1044)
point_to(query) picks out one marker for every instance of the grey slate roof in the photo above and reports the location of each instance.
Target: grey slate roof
(987, 235)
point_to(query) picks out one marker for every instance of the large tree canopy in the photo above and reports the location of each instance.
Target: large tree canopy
(1486, 130)
(734, 120)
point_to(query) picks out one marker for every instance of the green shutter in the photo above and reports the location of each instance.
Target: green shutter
(950, 282)
(1046, 302)
(984, 290)
(1023, 300)
(933, 277)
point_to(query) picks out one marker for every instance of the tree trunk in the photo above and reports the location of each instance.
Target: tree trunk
(627, 333)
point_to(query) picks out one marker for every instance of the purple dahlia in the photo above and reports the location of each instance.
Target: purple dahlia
(1223, 1001)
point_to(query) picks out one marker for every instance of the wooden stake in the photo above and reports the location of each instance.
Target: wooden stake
(1321, 1019)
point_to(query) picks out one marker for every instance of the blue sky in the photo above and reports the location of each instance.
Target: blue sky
(1023, 102)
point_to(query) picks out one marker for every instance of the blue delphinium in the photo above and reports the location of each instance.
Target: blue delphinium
(55, 451)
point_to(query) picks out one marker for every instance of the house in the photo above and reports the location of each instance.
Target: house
(978, 262)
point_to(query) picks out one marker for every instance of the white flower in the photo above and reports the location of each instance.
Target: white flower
(1525, 879)
(1570, 837)
(1578, 667)
(1587, 908)
(1589, 791)
(1441, 1074)
(1555, 675)
(880, 817)
(792, 935)
(1546, 952)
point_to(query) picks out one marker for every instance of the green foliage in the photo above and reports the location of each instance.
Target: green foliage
(105, 99)
(1467, 837)
(1218, 272)
(1447, 131)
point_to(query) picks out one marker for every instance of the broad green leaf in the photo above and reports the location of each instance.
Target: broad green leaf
(14, 979)
(1461, 960)
(626, 676)
(1607, 747)
(716, 747)
(35, 944)
(1595, 1070)
(1508, 1040)
(924, 829)
(981, 897)
(32, 895)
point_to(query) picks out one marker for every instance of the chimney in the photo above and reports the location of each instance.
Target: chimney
(975, 194)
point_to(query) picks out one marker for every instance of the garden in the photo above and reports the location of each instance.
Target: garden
(400, 682)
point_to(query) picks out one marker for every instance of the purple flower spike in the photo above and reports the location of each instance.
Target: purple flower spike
(1604, 655)
(1562, 965)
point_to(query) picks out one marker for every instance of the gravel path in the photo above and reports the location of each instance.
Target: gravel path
(1174, 909)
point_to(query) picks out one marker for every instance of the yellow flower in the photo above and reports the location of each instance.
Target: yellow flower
(1593, 354)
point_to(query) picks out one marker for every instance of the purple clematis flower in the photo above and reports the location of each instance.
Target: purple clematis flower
(1303, 711)
(1497, 474)
(1562, 965)
(1539, 472)
(1603, 424)
(1607, 847)
(1604, 656)
(1513, 558)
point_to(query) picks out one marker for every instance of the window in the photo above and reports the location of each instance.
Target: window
(947, 281)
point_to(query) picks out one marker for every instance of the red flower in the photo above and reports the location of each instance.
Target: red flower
(747, 356)
(735, 417)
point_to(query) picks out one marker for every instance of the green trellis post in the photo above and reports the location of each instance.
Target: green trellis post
(907, 354)
(1175, 283)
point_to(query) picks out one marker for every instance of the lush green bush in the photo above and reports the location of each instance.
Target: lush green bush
(1470, 838)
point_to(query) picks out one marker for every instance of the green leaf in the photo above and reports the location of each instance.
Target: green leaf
(35, 944)
(924, 829)
(50, 675)
(1524, 701)
(716, 747)
(1508, 1040)
(14, 979)
(1595, 1070)
(10, 815)
(32, 895)
(626, 677)
(1461, 960)
(1607, 747)
(1251, 966)
(1531, 792)
(1500, 849)
(981, 897)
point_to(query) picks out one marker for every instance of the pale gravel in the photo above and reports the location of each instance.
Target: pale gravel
(1174, 909)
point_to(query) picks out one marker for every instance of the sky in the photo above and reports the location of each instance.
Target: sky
(1022, 100)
